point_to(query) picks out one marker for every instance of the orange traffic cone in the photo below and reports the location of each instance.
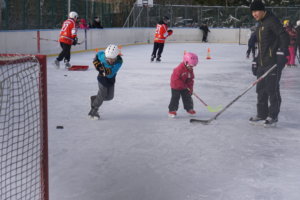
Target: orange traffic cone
(96, 49)
(120, 48)
(208, 54)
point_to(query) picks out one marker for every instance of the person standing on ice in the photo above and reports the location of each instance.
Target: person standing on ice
(182, 83)
(67, 38)
(292, 46)
(273, 44)
(107, 63)
(161, 34)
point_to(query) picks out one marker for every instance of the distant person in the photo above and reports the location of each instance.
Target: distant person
(67, 38)
(161, 34)
(107, 63)
(273, 44)
(205, 31)
(292, 45)
(96, 23)
(83, 24)
(298, 40)
(182, 83)
(252, 45)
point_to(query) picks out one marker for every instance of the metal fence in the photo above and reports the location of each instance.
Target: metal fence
(49, 14)
(193, 16)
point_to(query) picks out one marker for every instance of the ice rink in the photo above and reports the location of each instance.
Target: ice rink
(135, 152)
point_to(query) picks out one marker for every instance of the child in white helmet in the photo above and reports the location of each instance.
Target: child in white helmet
(182, 83)
(107, 63)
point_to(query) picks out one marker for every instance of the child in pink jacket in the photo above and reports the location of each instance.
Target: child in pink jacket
(182, 83)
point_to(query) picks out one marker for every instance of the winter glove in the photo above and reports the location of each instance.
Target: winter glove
(254, 68)
(281, 59)
(75, 41)
(170, 32)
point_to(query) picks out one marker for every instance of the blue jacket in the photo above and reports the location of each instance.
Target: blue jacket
(109, 79)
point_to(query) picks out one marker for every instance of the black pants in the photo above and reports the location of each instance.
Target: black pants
(157, 47)
(251, 49)
(186, 99)
(204, 37)
(65, 53)
(268, 94)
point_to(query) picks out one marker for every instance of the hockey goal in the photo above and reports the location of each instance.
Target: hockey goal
(23, 127)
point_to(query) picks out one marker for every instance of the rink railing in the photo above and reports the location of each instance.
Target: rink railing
(45, 41)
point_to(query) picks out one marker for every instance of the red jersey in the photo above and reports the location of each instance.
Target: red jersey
(182, 78)
(161, 33)
(68, 32)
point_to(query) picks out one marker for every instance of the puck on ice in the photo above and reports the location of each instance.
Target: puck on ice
(59, 127)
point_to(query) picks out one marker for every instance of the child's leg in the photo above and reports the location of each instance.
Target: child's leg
(110, 93)
(173, 106)
(101, 95)
(292, 55)
(187, 100)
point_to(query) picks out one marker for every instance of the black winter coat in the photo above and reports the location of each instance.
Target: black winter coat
(270, 36)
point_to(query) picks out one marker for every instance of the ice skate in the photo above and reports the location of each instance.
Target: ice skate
(191, 112)
(256, 121)
(152, 58)
(172, 114)
(270, 122)
(56, 63)
(94, 115)
(67, 65)
(158, 60)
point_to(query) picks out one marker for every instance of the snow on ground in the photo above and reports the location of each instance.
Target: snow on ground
(135, 152)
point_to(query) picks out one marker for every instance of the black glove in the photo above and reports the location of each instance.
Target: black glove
(97, 63)
(75, 41)
(254, 67)
(170, 32)
(281, 59)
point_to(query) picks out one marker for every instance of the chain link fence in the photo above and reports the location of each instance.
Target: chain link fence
(49, 14)
(193, 16)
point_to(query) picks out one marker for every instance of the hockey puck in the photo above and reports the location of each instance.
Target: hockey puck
(65, 75)
(59, 127)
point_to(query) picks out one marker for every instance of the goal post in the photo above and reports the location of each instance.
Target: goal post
(23, 127)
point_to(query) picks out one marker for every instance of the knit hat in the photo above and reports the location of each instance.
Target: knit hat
(257, 5)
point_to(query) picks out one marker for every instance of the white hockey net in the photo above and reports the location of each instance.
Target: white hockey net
(23, 128)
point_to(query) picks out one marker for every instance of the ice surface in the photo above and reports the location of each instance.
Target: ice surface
(135, 152)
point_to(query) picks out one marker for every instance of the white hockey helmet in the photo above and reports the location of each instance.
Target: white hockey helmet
(112, 51)
(298, 23)
(73, 15)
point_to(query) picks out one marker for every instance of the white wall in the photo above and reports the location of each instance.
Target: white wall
(26, 41)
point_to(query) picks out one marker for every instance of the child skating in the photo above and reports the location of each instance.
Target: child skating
(182, 83)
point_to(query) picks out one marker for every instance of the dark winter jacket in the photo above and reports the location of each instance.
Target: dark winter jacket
(298, 35)
(271, 36)
(204, 28)
(252, 40)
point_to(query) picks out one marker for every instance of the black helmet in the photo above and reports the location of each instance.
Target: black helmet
(166, 19)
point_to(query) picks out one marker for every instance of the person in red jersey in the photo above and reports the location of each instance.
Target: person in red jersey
(67, 38)
(161, 34)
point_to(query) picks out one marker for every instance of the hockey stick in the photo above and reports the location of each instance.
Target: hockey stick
(79, 43)
(209, 108)
(45, 39)
(234, 100)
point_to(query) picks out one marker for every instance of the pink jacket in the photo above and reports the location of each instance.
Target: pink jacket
(182, 78)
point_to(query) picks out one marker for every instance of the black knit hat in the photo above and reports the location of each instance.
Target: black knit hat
(257, 5)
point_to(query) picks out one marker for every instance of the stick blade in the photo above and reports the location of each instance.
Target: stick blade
(216, 109)
(205, 122)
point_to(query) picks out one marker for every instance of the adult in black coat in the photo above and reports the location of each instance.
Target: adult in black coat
(273, 44)
(205, 31)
